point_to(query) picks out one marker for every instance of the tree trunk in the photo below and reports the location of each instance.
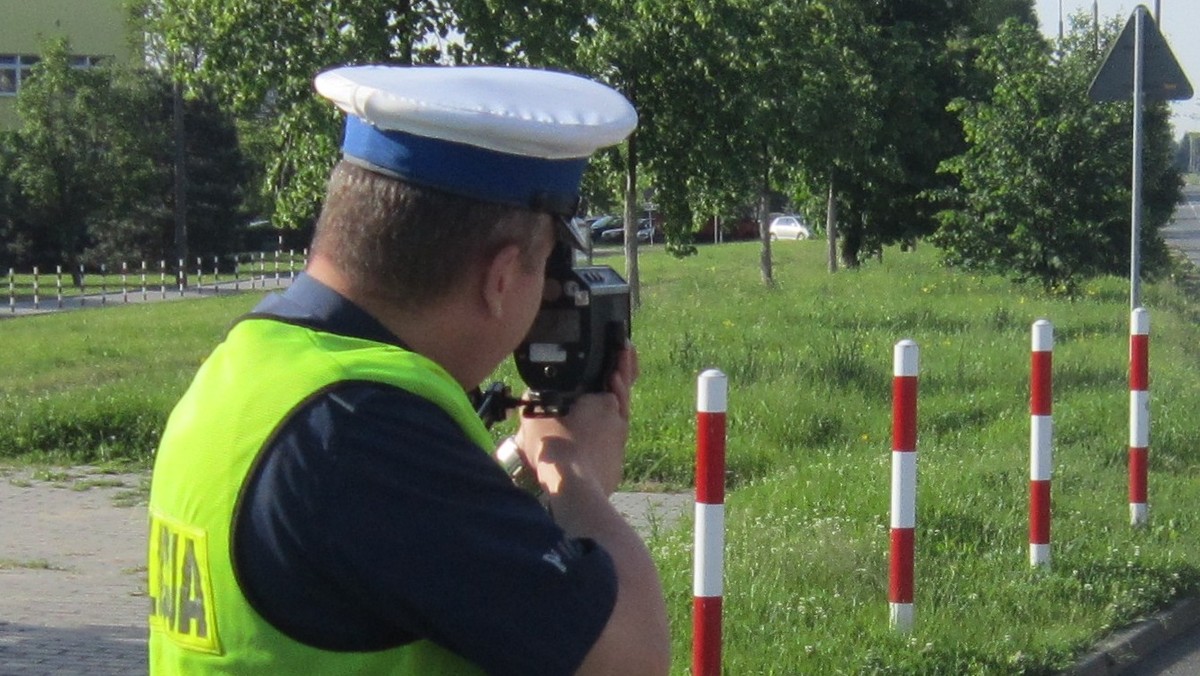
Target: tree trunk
(764, 232)
(831, 226)
(631, 212)
(852, 244)
(180, 133)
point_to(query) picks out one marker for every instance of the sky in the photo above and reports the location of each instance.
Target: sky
(1179, 23)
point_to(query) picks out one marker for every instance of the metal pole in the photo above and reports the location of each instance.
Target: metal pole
(1139, 414)
(1041, 435)
(904, 487)
(708, 587)
(1060, 25)
(1135, 244)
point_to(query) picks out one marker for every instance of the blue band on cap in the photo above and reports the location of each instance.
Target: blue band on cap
(466, 170)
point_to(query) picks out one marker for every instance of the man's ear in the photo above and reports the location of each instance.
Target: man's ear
(498, 278)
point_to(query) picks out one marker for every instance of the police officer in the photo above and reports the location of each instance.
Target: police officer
(323, 499)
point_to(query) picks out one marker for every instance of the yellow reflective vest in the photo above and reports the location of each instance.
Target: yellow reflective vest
(200, 621)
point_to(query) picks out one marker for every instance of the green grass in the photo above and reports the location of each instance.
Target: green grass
(33, 564)
(96, 385)
(809, 366)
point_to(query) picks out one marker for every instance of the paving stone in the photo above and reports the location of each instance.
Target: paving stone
(73, 575)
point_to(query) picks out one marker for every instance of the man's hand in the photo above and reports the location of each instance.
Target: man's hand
(579, 460)
(589, 442)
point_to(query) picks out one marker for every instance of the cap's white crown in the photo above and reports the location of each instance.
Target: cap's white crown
(520, 111)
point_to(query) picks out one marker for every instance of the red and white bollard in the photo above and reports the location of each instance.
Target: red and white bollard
(1139, 414)
(904, 485)
(707, 585)
(1041, 435)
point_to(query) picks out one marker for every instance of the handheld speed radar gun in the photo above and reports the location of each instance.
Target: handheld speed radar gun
(582, 325)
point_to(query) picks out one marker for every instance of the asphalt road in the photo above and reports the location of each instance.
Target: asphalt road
(1180, 657)
(1184, 231)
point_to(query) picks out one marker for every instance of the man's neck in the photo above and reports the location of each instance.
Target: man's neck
(444, 333)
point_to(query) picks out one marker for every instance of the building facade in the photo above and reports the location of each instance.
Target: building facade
(96, 29)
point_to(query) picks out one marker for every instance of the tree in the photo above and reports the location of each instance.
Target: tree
(735, 96)
(16, 236)
(911, 56)
(218, 171)
(1045, 180)
(260, 59)
(74, 140)
(88, 174)
(913, 74)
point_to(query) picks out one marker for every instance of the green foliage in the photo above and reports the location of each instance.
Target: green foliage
(912, 61)
(98, 384)
(738, 100)
(16, 236)
(217, 175)
(73, 140)
(1044, 182)
(88, 174)
(142, 226)
(261, 57)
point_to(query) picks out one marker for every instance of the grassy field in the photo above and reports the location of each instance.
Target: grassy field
(809, 366)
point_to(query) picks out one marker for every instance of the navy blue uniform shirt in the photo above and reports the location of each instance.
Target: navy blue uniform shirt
(370, 520)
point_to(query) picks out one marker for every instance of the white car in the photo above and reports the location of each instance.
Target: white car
(789, 227)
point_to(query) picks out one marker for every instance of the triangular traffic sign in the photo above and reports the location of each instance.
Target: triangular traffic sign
(1162, 76)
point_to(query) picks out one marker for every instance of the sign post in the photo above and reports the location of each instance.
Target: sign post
(1140, 65)
(1135, 218)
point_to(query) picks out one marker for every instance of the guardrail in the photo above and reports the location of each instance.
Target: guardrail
(122, 282)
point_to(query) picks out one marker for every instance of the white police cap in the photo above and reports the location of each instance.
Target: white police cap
(516, 136)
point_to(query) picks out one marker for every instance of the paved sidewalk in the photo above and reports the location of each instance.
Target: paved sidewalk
(72, 573)
(73, 576)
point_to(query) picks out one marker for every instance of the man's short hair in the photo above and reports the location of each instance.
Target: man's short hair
(409, 244)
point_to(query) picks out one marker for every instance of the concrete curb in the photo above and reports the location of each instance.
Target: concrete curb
(1125, 648)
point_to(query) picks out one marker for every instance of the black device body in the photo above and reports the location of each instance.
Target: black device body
(582, 325)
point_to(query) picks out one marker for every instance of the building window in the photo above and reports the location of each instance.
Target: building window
(86, 61)
(17, 68)
(9, 74)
